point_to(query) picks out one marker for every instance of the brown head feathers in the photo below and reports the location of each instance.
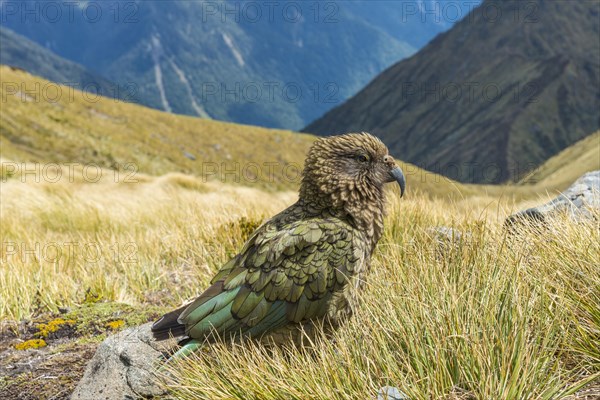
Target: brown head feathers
(347, 173)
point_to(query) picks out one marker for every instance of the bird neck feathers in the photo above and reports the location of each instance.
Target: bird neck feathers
(362, 206)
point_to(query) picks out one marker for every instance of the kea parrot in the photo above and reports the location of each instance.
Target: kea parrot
(306, 263)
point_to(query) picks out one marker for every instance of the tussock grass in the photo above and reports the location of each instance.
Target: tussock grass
(159, 239)
(484, 316)
(481, 315)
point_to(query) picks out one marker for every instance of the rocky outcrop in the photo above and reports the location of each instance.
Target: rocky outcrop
(581, 201)
(123, 367)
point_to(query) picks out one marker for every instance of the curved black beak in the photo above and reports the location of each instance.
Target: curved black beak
(398, 176)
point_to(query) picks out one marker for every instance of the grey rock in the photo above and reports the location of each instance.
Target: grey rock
(444, 234)
(446, 240)
(123, 367)
(391, 393)
(189, 155)
(581, 201)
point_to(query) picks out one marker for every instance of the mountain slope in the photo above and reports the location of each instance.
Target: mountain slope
(276, 64)
(18, 51)
(121, 136)
(490, 99)
(128, 138)
(564, 168)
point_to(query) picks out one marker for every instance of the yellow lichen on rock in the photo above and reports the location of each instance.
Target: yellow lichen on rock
(52, 326)
(114, 325)
(31, 344)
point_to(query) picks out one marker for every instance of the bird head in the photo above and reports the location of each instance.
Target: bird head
(352, 167)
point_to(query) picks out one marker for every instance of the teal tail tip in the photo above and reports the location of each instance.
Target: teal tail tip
(184, 352)
(187, 349)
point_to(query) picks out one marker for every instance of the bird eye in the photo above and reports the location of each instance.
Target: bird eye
(362, 158)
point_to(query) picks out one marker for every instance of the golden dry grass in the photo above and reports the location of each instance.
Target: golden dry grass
(124, 241)
(489, 316)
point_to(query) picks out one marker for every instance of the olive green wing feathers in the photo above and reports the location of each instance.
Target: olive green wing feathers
(284, 274)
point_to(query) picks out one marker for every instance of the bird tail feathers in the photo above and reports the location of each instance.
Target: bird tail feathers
(168, 325)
